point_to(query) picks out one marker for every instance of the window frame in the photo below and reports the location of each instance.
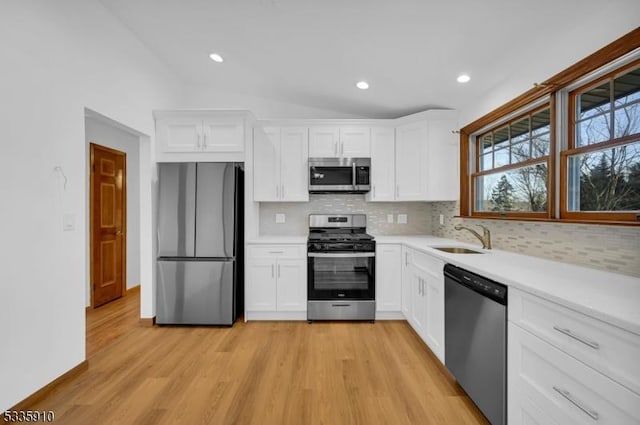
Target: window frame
(613, 58)
(572, 150)
(548, 159)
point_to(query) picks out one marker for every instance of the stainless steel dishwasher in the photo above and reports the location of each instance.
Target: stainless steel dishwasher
(476, 339)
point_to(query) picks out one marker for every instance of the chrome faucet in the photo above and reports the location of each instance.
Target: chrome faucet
(485, 238)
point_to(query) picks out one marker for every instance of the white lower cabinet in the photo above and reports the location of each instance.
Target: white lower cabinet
(423, 297)
(433, 332)
(291, 284)
(406, 282)
(567, 368)
(542, 378)
(276, 282)
(388, 279)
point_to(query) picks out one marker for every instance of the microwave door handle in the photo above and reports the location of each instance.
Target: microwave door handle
(353, 177)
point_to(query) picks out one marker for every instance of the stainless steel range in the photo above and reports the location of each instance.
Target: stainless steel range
(341, 268)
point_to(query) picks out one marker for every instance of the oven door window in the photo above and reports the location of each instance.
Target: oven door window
(336, 278)
(331, 176)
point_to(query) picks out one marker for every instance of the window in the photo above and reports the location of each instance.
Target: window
(601, 167)
(568, 149)
(512, 164)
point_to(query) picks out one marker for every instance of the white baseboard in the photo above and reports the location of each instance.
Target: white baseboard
(276, 315)
(389, 315)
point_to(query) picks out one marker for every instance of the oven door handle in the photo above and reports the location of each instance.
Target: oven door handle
(341, 254)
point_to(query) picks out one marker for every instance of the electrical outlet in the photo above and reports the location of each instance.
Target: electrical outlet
(441, 219)
(280, 218)
(68, 222)
(389, 218)
(402, 219)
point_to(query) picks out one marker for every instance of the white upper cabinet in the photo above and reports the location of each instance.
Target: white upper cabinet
(355, 142)
(187, 136)
(180, 134)
(324, 142)
(280, 164)
(427, 163)
(266, 164)
(222, 134)
(382, 165)
(294, 159)
(338, 142)
(444, 164)
(411, 162)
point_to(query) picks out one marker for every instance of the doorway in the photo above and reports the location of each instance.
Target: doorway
(108, 223)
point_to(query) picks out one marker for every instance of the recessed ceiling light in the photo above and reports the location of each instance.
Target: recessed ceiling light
(362, 85)
(216, 57)
(463, 78)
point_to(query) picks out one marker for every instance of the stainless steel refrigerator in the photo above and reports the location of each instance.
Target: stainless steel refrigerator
(200, 240)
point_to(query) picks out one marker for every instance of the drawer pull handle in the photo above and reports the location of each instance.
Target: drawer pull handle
(566, 394)
(276, 252)
(570, 334)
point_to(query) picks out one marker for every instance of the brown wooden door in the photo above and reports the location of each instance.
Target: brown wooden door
(108, 224)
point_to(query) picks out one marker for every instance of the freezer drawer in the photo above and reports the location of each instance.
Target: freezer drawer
(195, 293)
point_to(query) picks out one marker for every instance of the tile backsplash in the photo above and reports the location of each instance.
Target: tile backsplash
(297, 213)
(610, 248)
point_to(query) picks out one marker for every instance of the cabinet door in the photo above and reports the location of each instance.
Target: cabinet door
(388, 277)
(355, 142)
(443, 172)
(266, 164)
(324, 142)
(223, 135)
(418, 302)
(382, 167)
(261, 284)
(411, 162)
(406, 283)
(292, 284)
(434, 327)
(567, 390)
(294, 159)
(180, 134)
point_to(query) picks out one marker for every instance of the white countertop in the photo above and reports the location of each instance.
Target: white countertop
(268, 240)
(611, 297)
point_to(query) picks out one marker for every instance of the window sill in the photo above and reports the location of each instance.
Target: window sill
(554, 220)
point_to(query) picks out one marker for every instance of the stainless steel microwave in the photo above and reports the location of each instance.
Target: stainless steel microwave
(348, 175)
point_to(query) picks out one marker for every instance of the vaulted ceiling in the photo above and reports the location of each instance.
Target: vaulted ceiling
(312, 52)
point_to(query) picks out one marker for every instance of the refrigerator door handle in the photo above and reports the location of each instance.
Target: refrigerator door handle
(272, 270)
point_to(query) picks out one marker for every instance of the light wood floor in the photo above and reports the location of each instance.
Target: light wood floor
(257, 373)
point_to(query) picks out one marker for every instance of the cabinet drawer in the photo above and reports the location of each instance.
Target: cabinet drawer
(609, 349)
(567, 390)
(276, 251)
(428, 263)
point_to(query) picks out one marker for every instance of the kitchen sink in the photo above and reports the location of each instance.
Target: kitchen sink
(457, 250)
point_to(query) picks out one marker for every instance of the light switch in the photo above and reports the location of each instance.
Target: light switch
(280, 218)
(389, 218)
(68, 222)
(441, 219)
(402, 219)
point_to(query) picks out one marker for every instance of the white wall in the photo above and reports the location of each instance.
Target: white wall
(538, 61)
(196, 97)
(58, 58)
(105, 134)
